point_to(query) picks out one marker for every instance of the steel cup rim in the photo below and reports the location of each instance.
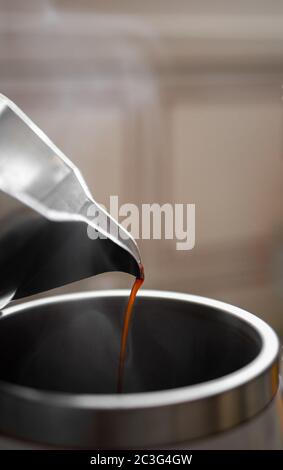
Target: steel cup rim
(268, 354)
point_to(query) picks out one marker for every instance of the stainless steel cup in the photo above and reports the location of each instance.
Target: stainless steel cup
(199, 374)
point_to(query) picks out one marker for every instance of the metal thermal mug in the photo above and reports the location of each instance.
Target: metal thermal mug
(200, 374)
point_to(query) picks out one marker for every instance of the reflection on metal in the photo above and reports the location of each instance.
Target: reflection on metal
(215, 366)
(43, 238)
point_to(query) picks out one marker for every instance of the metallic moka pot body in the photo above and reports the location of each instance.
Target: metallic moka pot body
(52, 231)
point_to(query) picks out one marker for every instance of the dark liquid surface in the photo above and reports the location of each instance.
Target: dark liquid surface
(126, 326)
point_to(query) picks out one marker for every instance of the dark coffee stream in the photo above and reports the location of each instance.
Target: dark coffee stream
(126, 326)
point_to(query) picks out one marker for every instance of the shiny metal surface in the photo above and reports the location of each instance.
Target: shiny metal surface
(45, 211)
(195, 367)
(262, 432)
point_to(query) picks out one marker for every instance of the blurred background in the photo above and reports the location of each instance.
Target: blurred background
(163, 101)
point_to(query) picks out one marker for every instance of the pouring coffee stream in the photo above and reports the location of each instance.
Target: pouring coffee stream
(44, 207)
(126, 325)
